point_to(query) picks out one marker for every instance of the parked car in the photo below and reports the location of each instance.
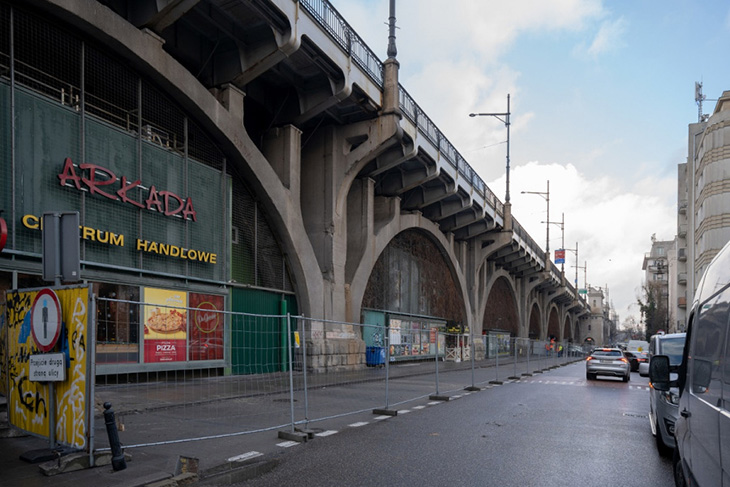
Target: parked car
(608, 361)
(635, 359)
(701, 430)
(663, 411)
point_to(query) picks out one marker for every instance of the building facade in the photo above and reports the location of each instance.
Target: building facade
(597, 328)
(703, 221)
(659, 266)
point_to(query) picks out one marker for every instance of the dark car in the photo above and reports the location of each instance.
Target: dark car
(635, 358)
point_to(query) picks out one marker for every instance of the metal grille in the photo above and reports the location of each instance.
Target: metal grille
(54, 72)
(407, 276)
(257, 258)
(110, 90)
(6, 169)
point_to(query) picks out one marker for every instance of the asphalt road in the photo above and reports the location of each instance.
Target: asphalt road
(547, 430)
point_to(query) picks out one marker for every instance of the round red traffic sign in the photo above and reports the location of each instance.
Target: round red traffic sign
(45, 319)
(3, 234)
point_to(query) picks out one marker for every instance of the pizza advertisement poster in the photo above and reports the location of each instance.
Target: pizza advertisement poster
(165, 317)
(206, 327)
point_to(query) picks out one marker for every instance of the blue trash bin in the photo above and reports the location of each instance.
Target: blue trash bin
(374, 356)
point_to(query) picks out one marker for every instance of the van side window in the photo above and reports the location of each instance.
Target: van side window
(707, 350)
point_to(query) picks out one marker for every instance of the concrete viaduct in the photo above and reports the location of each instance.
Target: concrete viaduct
(340, 155)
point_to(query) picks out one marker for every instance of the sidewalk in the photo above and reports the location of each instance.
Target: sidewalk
(148, 416)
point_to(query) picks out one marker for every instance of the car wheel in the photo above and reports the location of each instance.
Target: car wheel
(679, 480)
(627, 377)
(590, 376)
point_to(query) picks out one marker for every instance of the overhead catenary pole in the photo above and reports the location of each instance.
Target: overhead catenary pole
(546, 196)
(506, 122)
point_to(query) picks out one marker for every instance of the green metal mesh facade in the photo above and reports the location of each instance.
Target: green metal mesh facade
(70, 99)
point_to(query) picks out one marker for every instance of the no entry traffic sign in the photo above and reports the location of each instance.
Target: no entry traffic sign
(45, 319)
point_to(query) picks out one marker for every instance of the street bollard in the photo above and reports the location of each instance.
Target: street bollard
(118, 462)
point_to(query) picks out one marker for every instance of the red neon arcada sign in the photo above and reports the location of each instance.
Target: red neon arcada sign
(100, 180)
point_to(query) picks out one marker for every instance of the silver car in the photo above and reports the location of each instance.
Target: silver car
(608, 361)
(663, 405)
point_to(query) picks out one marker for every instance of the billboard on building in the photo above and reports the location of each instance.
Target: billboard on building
(165, 325)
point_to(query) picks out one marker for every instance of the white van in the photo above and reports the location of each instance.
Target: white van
(702, 430)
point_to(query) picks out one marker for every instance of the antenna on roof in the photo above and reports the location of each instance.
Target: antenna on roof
(699, 98)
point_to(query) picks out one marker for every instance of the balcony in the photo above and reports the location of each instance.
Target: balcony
(682, 278)
(682, 254)
(682, 207)
(682, 302)
(682, 230)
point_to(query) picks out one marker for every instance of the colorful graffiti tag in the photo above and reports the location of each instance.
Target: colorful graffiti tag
(29, 401)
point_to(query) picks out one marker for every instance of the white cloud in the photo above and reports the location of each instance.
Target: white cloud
(609, 37)
(611, 225)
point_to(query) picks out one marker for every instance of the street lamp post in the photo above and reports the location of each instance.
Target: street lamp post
(506, 123)
(663, 269)
(546, 196)
(585, 272)
(561, 224)
(576, 265)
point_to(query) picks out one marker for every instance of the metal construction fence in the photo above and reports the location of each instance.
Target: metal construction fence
(285, 374)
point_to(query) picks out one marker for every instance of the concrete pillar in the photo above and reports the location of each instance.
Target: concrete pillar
(231, 98)
(282, 148)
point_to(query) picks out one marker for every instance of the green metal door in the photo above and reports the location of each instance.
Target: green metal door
(258, 337)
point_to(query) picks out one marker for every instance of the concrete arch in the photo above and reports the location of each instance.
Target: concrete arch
(401, 223)
(500, 310)
(224, 125)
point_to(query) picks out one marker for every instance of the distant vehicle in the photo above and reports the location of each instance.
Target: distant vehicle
(608, 361)
(635, 358)
(663, 405)
(703, 381)
(637, 345)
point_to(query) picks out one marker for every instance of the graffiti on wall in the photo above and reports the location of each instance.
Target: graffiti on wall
(29, 402)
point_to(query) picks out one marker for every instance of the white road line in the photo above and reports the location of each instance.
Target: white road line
(357, 425)
(326, 433)
(404, 411)
(380, 418)
(419, 407)
(245, 456)
(288, 444)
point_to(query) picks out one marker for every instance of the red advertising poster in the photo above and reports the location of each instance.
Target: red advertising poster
(206, 327)
(165, 325)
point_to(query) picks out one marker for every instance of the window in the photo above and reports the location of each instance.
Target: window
(117, 323)
(707, 348)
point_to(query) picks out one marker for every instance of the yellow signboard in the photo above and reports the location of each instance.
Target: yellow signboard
(29, 401)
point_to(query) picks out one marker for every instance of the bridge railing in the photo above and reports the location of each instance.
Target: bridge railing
(337, 27)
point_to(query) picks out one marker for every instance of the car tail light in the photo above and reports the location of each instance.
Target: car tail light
(623, 359)
(589, 359)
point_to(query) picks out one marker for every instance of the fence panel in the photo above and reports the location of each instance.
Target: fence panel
(282, 373)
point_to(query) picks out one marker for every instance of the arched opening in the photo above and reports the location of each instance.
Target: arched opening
(567, 330)
(553, 325)
(500, 312)
(534, 322)
(412, 276)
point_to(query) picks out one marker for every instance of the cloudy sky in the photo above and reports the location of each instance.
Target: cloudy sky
(601, 92)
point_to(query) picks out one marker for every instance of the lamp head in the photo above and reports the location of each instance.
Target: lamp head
(472, 114)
